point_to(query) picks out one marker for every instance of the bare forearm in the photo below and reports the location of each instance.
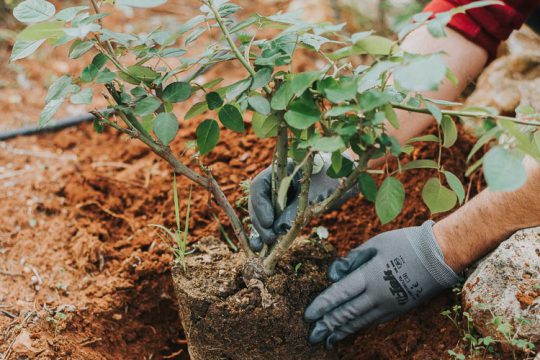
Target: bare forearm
(488, 219)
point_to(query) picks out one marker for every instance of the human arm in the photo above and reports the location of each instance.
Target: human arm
(489, 218)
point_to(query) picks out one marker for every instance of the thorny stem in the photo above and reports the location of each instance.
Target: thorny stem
(228, 37)
(473, 114)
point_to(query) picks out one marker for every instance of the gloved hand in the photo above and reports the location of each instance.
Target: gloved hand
(379, 280)
(266, 227)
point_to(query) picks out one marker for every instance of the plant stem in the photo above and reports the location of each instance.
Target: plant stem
(301, 219)
(96, 9)
(473, 114)
(208, 183)
(320, 208)
(282, 148)
(306, 212)
(228, 37)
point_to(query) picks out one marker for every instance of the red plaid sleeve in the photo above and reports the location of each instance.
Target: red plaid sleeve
(487, 26)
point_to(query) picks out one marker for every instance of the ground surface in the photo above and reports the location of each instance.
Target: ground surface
(82, 276)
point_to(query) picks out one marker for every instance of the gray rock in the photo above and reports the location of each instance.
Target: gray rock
(513, 78)
(506, 284)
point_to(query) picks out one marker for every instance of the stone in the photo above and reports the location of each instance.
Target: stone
(513, 78)
(506, 284)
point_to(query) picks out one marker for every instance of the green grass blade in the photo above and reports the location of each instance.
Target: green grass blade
(176, 206)
(188, 213)
(225, 235)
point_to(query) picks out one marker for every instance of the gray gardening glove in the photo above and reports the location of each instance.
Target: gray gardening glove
(379, 280)
(266, 228)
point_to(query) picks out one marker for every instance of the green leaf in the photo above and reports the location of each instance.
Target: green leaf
(194, 35)
(147, 122)
(106, 76)
(128, 78)
(171, 52)
(368, 187)
(449, 131)
(46, 30)
(338, 91)
(89, 73)
(301, 82)
(69, 14)
(59, 89)
(142, 73)
(456, 185)
(140, 3)
(82, 30)
(31, 11)
(327, 144)
(235, 90)
(231, 118)
(374, 45)
(23, 49)
(337, 161)
(50, 109)
(345, 170)
(424, 138)
(302, 115)
(214, 100)
(196, 109)
(504, 169)
(525, 109)
(79, 48)
(391, 116)
(261, 78)
(99, 60)
(420, 164)
(147, 106)
(421, 73)
(212, 83)
(83, 97)
(389, 200)
(340, 110)
(98, 126)
(437, 197)
(265, 126)
(259, 104)
(282, 97)
(165, 127)
(372, 77)
(207, 136)
(523, 141)
(373, 99)
(435, 111)
(177, 92)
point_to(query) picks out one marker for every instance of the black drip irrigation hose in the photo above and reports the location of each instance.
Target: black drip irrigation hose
(59, 125)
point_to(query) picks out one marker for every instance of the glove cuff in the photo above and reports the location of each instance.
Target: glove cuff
(428, 251)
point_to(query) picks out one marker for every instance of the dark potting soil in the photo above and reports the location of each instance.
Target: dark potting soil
(225, 318)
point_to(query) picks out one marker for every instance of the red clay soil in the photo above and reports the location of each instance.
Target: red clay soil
(82, 276)
(74, 239)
